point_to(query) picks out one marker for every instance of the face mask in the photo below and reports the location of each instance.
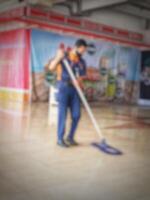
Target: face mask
(78, 54)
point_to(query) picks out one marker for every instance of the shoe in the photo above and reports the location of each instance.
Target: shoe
(61, 143)
(71, 142)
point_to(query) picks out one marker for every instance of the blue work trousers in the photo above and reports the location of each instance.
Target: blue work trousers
(67, 98)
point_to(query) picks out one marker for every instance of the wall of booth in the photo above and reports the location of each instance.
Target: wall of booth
(114, 71)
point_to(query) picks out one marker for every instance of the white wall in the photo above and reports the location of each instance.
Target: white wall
(112, 18)
(107, 17)
(147, 36)
(118, 20)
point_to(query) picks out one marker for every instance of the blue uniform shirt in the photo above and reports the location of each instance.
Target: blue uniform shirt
(78, 66)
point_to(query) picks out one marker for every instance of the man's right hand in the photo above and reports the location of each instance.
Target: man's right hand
(60, 54)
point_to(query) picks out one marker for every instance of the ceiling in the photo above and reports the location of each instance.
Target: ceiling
(85, 7)
(136, 8)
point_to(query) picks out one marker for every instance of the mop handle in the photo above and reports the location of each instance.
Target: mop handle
(83, 99)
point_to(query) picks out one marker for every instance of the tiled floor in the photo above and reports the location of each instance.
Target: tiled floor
(32, 167)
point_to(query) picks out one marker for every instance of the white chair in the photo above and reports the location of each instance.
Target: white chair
(53, 106)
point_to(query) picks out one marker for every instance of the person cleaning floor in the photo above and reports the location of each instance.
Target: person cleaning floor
(67, 94)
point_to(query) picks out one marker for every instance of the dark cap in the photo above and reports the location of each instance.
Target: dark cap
(81, 42)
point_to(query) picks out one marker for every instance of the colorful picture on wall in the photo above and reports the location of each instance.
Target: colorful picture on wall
(112, 70)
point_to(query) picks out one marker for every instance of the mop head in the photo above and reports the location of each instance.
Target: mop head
(103, 146)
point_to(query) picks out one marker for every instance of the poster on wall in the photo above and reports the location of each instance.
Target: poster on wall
(145, 79)
(112, 70)
(14, 67)
(14, 59)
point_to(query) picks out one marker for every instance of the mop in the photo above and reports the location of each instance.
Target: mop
(102, 145)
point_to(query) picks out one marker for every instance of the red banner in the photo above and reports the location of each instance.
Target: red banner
(14, 59)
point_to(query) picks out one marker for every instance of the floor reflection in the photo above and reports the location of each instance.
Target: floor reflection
(33, 167)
